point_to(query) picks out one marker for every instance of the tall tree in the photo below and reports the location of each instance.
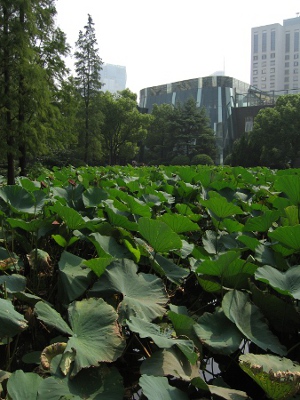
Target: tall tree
(88, 80)
(123, 126)
(31, 65)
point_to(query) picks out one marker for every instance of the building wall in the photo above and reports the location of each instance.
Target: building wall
(275, 62)
(113, 77)
(216, 94)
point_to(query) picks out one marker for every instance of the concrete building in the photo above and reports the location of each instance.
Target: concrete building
(217, 94)
(275, 62)
(113, 77)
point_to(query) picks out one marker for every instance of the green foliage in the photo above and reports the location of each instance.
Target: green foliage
(275, 139)
(202, 159)
(151, 275)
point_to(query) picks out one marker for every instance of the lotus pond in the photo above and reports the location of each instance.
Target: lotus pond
(168, 283)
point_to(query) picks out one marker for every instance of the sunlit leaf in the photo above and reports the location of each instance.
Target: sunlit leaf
(158, 388)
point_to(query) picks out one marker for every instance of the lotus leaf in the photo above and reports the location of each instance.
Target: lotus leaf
(158, 388)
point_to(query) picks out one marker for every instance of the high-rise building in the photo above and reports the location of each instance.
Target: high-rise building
(113, 77)
(275, 62)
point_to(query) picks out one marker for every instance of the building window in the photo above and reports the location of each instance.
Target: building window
(296, 41)
(287, 57)
(272, 85)
(295, 78)
(255, 43)
(255, 72)
(272, 55)
(287, 42)
(249, 124)
(255, 65)
(263, 71)
(286, 79)
(296, 56)
(255, 58)
(264, 64)
(272, 77)
(295, 71)
(286, 87)
(263, 86)
(273, 40)
(287, 72)
(272, 69)
(255, 79)
(263, 78)
(272, 62)
(264, 42)
(287, 64)
(296, 63)
(264, 57)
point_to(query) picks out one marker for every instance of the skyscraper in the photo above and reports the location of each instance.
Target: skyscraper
(275, 57)
(113, 77)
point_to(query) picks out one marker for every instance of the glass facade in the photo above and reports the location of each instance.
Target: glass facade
(113, 78)
(215, 93)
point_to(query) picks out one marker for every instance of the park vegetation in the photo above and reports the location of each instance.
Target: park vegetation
(151, 282)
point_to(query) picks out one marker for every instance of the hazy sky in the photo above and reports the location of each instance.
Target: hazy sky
(163, 41)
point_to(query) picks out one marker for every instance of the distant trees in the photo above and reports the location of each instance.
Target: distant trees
(88, 66)
(123, 126)
(275, 139)
(181, 130)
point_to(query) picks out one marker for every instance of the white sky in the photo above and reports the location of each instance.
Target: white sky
(164, 41)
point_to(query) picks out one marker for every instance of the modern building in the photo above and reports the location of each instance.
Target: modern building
(217, 94)
(113, 77)
(275, 62)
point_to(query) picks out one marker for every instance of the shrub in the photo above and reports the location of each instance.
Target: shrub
(180, 160)
(202, 159)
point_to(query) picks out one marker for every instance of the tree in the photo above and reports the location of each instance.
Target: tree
(180, 130)
(88, 67)
(123, 126)
(31, 65)
(275, 139)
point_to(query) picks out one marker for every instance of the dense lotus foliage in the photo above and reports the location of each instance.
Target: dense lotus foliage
(150, 283)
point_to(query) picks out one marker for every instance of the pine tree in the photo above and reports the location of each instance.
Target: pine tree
(31, 66)
(88, 67)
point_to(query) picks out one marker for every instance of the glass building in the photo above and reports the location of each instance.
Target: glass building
(217, 94)
(113, 78)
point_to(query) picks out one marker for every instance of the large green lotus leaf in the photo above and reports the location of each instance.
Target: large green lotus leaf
(95, 336)
(144, 295)
(227, 393)
(278, 377)
(158, 388)
(250, 321)
(261, 223)
(119, 220)
(11, 322)
(107, 245)
(288, 236)
(184, 325)
(136, 206)
(13, 283)
(19, 199)
(232, 271)
(290, 185)
(292, 215)
(51, 317)
(171, 270)
(282, 315)
(98, 265)
(232, 225)
(93, 196)
(287, 283)
(170, 362)
(23, 385)
(179, 223)
(101, 383)
(71, 217)
(250, 242)
(162, 337)
(159, 235)
(220, 207)
(73, 278)
(218, 333)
